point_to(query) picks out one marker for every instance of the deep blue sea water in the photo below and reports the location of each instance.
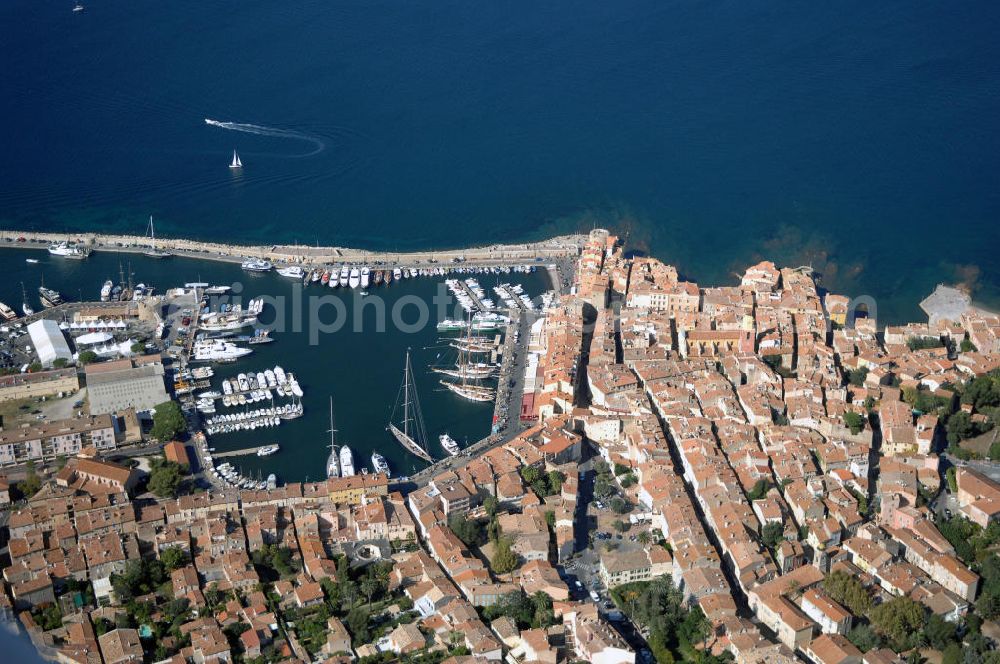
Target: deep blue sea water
(858, 137)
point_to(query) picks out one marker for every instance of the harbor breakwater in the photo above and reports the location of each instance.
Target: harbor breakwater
(557, 247)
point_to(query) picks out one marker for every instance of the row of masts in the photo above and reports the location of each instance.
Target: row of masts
(410, 430)
(468, 372)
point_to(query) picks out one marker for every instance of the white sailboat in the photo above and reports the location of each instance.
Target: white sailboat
(236, 163)
(25, 307)
(413, 422)
(333, 462)
(153, 252)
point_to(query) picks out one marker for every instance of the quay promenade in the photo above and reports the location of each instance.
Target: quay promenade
(506, 412)
(557, 247)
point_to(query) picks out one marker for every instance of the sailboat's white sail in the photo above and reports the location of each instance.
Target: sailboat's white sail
(236, 161)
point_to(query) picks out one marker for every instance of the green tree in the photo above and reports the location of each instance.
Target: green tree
(165, 478)
(863, 637)
(952, 479)
(173, 558)
(759, 490)
(603, 486)
(961, 427)
(370, 587)
(504, 559)
(939, 632)
(168, 421)
(543, 615)
(854, 422)
(530, 474)
(491, 505)
(357, 624)
(922, 343)
(896, 620)
(619, 505)
(772, 535)
(48, 616)
(952, 653)
(967, 346)
(30, 485)
(86, 357)
(994, 453)
(467, 530)
(59, 363)
(35, 367)
(138, 347)
(856, 377)
(847, 590)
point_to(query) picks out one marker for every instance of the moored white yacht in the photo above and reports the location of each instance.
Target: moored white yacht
(355, 278)
(6, 312)
(106, 290)
(217, 350)
(256, 265)
(292, 272)
(365, 277)
(449, 444)
(66, 250)
(346, 461)
(379, 463)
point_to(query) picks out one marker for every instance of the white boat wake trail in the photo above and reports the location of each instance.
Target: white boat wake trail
(318, 144)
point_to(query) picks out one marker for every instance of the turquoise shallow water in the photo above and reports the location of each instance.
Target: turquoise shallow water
(857, 137)
(361, 369)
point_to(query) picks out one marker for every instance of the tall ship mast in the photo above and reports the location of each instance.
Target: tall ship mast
(333, 462)
(467, 370)
(153, 252)
(413, 422)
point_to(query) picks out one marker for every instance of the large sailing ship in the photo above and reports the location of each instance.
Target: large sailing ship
(412, 432)
(468, 374)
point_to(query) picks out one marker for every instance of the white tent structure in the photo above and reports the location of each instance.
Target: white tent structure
(93, 338)
(49, 342)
